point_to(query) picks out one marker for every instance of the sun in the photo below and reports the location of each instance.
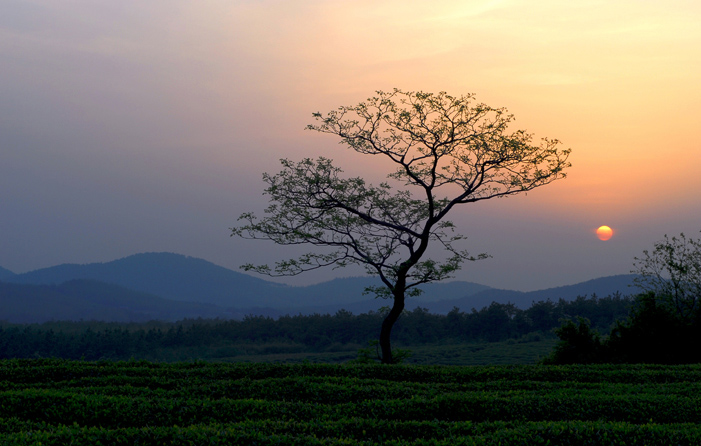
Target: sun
(604, 233)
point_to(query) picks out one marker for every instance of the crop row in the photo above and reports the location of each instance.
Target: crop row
(121, 411)
(333, 390)
(30, 371)
(363, 432)
(63, 402)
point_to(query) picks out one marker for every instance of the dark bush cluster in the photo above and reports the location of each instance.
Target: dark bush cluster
(653, 333)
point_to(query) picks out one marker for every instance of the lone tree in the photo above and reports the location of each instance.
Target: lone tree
(445, 151)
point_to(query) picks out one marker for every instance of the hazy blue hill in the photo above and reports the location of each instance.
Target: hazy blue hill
(332, 293)
(21, 303)
(171, 276)
(481, 297)
(153, 307)
(350, 291)
(91, 300)
(436, 292)
(183, 278)
(176, 279)
(602, 287)
(6, 273)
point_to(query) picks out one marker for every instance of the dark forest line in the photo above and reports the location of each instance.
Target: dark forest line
(212, 339)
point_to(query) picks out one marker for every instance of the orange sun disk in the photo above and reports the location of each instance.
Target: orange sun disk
(604, 233)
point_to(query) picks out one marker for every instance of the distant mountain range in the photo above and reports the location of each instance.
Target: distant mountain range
(168, 286)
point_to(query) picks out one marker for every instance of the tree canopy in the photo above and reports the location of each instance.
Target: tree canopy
(442, 151)
(672, 271)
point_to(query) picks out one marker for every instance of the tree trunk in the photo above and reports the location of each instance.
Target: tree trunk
(387, 325)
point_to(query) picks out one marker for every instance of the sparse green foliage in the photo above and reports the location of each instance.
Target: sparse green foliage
(371, 354)
(672, 271)
(442, 152)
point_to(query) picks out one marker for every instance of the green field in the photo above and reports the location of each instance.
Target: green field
(526, 350)
(58, 402)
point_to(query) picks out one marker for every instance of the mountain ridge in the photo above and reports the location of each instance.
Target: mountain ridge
(601, 287)
(161, 274)
(183, 278)
(166, 286)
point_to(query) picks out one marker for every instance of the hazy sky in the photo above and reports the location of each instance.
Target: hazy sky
(135, 126)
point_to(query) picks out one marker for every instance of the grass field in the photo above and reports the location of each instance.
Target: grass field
(57, 402)
(476, 353)
(526, 350)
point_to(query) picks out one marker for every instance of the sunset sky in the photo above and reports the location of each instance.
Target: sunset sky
(138, 126)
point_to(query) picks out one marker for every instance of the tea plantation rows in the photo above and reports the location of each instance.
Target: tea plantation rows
(59, 402)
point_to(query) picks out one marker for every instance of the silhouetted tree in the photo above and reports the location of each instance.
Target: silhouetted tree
(544, 315)
(672, 271)
(579, 344)
(445, 151)
(651, 334)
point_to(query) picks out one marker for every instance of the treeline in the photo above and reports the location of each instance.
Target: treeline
(216, 338)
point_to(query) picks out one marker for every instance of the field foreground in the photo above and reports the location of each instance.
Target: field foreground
(58, 402)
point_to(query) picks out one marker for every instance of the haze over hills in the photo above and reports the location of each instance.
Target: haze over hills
(601, 287)
(91, 300)
(171, 276)
(5, 273)
(170, 286)
(183, 278)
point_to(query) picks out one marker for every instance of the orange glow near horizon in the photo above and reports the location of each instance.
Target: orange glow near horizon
(181, 109)
(613, 81)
